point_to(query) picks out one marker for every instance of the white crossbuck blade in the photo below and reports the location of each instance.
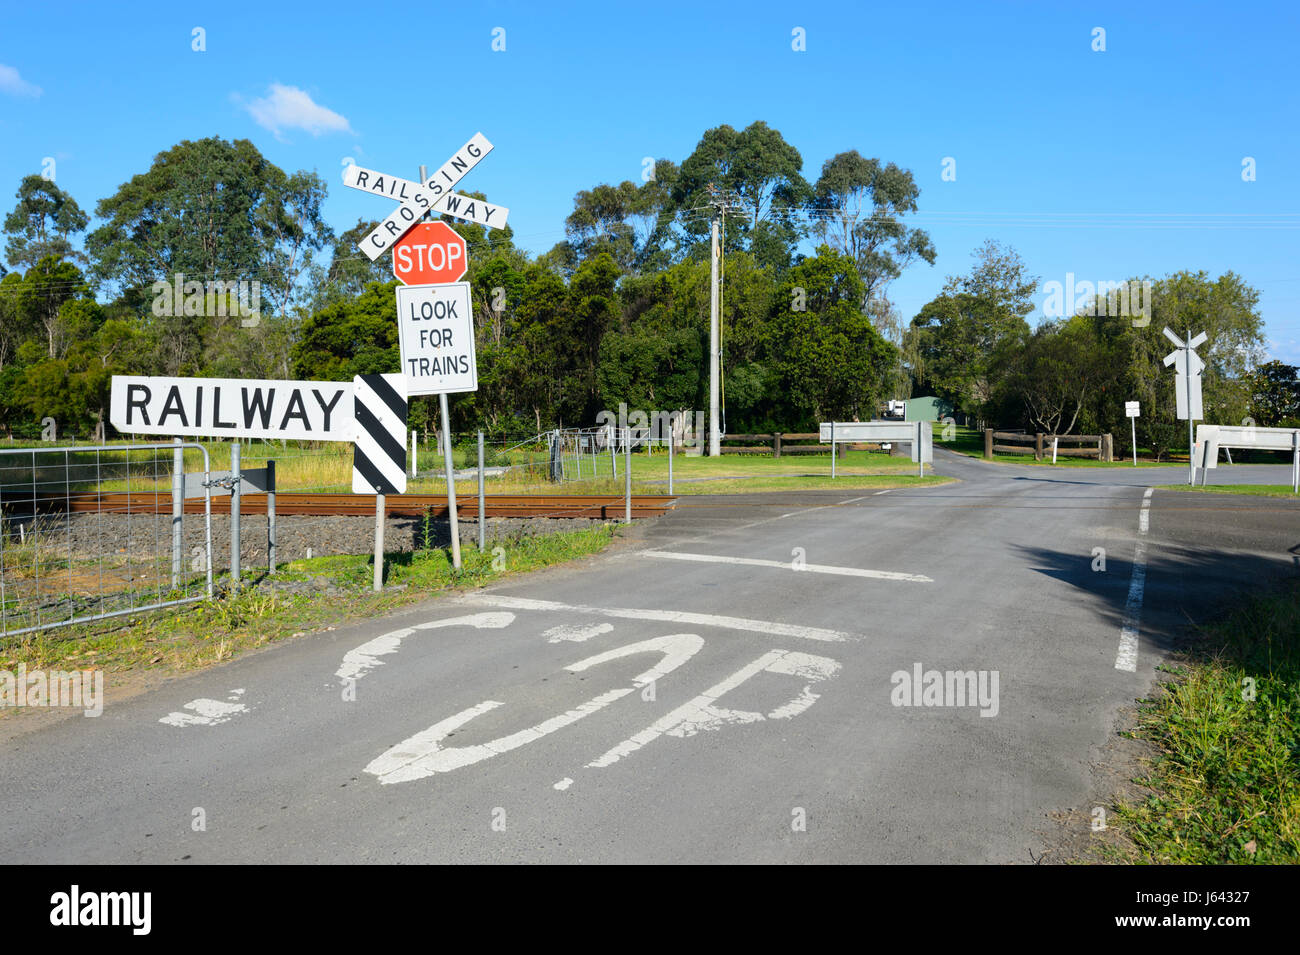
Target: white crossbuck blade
(434, 196)
(403, 190)
(1187, 367)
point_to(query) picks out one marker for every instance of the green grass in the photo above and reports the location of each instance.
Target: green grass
(328, 468)
(806, 482)
(1226, 786)
(751, 473)
(211, 631)
(1254, 490)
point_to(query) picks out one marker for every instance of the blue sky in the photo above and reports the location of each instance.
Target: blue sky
(1103, 164)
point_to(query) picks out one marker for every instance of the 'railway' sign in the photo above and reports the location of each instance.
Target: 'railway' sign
(232, 408)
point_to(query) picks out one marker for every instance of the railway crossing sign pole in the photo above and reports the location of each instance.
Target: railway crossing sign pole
(453, 250)
(434, 318)
(1188, 367)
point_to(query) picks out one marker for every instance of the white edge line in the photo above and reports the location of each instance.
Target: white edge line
(787, 565)
(668, 616)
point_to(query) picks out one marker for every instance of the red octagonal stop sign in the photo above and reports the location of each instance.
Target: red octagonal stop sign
(431, 253)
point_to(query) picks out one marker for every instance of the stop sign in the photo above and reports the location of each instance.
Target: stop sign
(431, 253)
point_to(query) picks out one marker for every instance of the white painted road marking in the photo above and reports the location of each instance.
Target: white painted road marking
(423, 755)
(205, 712)
(701, 714)
(576, 634)
(1127, 657)
(668, 616)
(357, 663)
(786, 565)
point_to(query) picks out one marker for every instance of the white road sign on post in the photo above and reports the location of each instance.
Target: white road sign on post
(1133, 410)
(232, 408)
(435, 333)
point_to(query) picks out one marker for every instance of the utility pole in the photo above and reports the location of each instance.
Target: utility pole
(714, 347)
(1191, 432)
(719, 204)
(715, 335)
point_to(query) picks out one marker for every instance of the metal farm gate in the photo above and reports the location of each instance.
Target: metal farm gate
(68, 555)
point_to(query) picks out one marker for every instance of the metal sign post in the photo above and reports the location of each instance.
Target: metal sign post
(234, 516)
(379, 542)
(482, 509)
(452, 515)
(270, 516)
(178, 510)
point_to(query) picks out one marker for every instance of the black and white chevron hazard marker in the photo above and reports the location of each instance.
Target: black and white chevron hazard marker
(379, 449)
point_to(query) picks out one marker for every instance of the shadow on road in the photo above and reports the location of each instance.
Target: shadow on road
(1185, 587)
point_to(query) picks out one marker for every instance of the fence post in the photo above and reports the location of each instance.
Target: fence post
(1108, 446)
(613, 454)
(627, 479)
(234, 515)
(671, 442)
(988, 443)
(776, 445)
(1295, 462)
(270, 516)
(482, 509)
(832, 449)
(178, 509)
(1038, 446)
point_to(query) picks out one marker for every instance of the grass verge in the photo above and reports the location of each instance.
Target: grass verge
(1226, 785)
(339, 590)
(1254, 490)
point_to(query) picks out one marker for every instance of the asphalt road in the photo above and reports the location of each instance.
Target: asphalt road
(644, 706)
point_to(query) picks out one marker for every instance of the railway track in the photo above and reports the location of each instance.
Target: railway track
(597, 506)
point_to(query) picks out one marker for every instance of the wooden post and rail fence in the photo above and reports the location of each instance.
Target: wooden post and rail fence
(776, 444)
(1100, 446)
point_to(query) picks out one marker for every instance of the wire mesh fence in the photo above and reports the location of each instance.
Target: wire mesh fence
(89, 532)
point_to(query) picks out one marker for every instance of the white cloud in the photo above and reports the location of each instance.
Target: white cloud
(15, 85)
(287, 107)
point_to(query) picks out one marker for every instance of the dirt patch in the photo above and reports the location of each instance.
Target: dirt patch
(1069, 837)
